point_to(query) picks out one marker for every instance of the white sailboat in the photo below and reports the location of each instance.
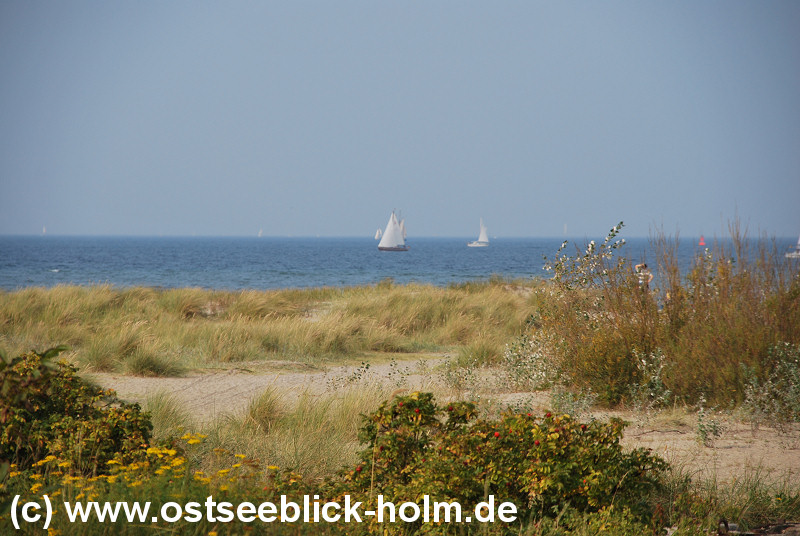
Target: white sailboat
(483, 238)
(378, 233)
(394, 236)
(794, 253)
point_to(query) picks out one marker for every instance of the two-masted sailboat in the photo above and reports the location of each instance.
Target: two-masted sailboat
(483, 238)
(393, 238)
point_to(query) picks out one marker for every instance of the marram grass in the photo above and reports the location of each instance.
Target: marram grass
(156, 332)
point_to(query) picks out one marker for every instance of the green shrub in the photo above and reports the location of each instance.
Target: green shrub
(776, 400)
(414, 448)
(49, 411)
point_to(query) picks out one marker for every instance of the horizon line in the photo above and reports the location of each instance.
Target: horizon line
(364, 237)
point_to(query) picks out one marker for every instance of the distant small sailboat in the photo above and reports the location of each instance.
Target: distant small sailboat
(44, 230)
(702, 241)
(260, 233)
(394, 236)
(483, 238)
(378, 233)
(794, 253)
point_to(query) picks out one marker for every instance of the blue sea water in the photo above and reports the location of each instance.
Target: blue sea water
(227, 263)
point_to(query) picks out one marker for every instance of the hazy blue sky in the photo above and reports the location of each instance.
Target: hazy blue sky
(318, 118)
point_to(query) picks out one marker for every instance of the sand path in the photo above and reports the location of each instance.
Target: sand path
(209, 394)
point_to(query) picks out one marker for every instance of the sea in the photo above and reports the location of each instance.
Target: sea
(229, 263)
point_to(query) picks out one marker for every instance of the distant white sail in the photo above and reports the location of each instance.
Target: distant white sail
(393, 236)
(794, 253)
(378, 234)
(483, 238)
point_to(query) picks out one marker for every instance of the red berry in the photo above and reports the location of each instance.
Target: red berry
(358, 468)
(497, 434)
(450, 408)
(416, 410)
(548, 414)
(583, 427)
(536, 442)
(400, 404)
(529, 414)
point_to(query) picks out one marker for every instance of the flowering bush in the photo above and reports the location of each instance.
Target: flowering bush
(414, 448)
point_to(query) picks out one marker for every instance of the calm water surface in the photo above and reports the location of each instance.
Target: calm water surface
(268, 263)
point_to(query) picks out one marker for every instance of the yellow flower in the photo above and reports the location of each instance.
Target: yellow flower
(240, 456)
(48, 459)
(178, 461)
(36, 487)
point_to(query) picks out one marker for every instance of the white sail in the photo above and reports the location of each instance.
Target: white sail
(393, 238)
(378, 234)
(483, 238)
(794, 253)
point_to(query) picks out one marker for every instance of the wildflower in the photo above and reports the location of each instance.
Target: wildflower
(41, 462)
(36, 487)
